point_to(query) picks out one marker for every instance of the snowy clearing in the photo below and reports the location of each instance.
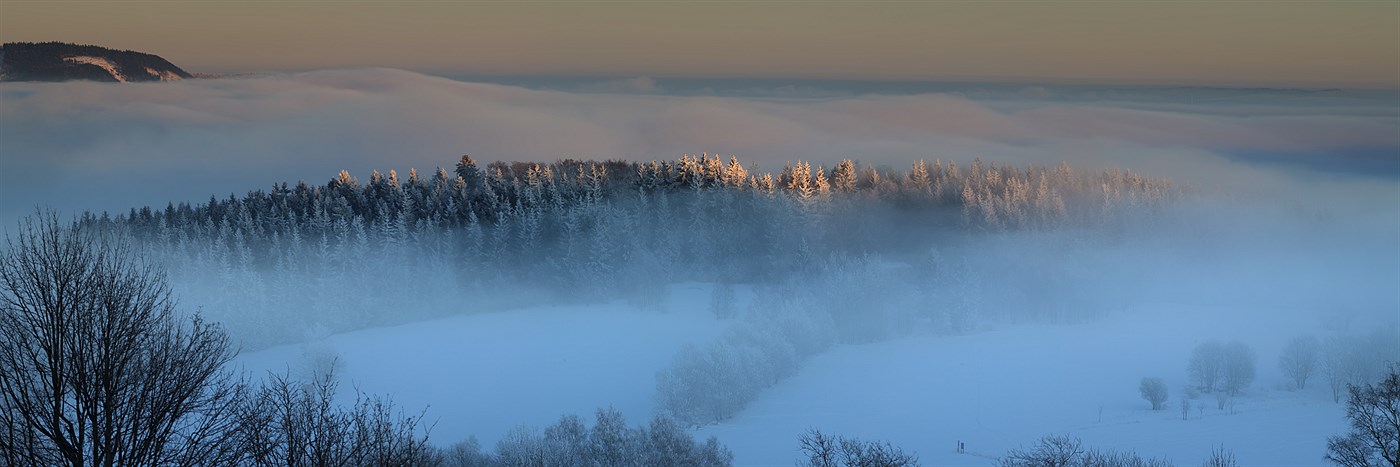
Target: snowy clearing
(996, 389)
(100, 62)
(484, 374)
(1006, 388)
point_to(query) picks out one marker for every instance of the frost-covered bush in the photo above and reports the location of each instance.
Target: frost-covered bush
(710, 383)
(1154, 390)
(609, 442)
(1225, 367)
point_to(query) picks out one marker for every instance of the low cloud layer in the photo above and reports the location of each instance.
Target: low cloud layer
(90, 146)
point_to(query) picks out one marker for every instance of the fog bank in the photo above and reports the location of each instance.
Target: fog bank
(91, 146)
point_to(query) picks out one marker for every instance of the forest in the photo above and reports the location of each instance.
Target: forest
(50, 61)
(588, 230)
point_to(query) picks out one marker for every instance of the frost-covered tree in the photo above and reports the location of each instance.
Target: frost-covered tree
(1225, 367)
(466, 453)
(483, 227)
(610, 442)
(1154, 390)
(843, 177)
(722, 301)
(1237, 367)
(1341, 365)
(1206, 367)
(1355, 359)
(1300, 359)
(920, 183)
(820, 185)
(470, 174)
(735, 176)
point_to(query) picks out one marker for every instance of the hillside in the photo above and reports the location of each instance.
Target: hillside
(57, 61)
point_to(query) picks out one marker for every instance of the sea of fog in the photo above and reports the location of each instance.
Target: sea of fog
(103, 147)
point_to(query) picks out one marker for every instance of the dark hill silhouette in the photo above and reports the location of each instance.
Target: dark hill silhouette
(57, 61)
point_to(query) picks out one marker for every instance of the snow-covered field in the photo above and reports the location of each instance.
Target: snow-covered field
(484, 374)
(994, 389)
(1002, 389)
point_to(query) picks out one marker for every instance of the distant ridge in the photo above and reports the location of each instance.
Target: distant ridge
(58, 61)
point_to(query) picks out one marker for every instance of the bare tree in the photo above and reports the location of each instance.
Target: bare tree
(1237, 367)
(288, 422)
(95, 369)
(1340, 365)
(1155, 391)
(1205, 367)
(821, 450)
(839, 451)
(1374, 413)
(1299, 359)
(1050, 451)
(1227, 367)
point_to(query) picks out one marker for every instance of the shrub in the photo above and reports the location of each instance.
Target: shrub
(1154, 390)
(824, 450)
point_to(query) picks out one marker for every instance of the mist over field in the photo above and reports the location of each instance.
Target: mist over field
(1066, 243)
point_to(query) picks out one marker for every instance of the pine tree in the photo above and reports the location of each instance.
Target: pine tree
(843, 177)
(920, 184)
(820, 186)
(734, 174)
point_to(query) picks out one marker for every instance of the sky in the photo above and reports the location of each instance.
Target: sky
(1234, 43)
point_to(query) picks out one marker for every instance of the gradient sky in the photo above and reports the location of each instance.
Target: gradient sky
(1337, 43)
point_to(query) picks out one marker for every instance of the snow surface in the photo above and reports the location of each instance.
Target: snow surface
(484, 374)
(99, 61)
(995, 389)
(165, 75)
(1005, 389)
